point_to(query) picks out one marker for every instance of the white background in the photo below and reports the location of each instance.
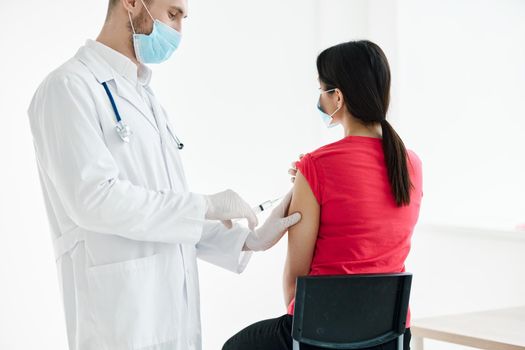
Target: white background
(242, 89)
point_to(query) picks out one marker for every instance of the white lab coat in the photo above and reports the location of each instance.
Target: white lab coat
(126, 230)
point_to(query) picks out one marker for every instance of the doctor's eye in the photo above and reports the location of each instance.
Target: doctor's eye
(171, 15)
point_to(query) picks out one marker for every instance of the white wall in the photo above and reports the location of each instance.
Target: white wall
(461, 96)
(242, 89)
(462, 91)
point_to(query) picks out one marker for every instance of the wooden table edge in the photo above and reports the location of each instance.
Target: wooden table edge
(423, 332)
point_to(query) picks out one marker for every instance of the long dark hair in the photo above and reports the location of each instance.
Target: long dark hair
(361, 71)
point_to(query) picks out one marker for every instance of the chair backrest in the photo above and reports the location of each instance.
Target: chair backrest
(350, 311)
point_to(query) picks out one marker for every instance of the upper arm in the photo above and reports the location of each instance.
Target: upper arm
(303, 235)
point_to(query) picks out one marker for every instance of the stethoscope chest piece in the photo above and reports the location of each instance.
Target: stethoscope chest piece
(123, 131)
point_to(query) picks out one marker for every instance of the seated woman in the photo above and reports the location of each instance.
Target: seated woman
(359, 197)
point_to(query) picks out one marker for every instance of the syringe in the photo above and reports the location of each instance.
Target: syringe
(262, 207)
(265, 205)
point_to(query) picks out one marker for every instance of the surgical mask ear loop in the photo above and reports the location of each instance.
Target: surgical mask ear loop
(131, 22)
(153, 19)
(337, 110)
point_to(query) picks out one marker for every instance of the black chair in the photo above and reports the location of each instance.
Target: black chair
(350, 311)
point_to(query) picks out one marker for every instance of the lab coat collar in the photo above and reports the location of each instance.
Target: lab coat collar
(104, 72)
(121, 64)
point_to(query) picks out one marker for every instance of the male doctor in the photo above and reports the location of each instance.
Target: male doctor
(126, 229)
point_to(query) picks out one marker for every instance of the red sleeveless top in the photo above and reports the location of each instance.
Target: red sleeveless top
(361, 229)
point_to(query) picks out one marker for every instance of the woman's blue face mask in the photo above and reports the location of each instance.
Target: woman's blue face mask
(327, 118)
(157, 46)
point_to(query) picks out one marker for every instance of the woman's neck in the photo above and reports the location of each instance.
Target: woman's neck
(353, 128)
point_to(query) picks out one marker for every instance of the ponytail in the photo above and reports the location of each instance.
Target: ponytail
(396, 164)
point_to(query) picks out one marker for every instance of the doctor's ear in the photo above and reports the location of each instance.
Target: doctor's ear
(130, 5)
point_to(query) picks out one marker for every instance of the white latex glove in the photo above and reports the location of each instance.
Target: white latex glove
(273, 228)
(228, 205)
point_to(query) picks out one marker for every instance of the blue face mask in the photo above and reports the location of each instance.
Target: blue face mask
(157, 46)
(327, 118)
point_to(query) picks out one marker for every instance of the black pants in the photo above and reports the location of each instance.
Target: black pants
(276, 334)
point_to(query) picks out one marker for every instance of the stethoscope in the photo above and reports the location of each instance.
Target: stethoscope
(123, 130)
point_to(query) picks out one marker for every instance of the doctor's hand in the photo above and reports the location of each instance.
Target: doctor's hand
(293, 170)
(273, 228)
(228, 205)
